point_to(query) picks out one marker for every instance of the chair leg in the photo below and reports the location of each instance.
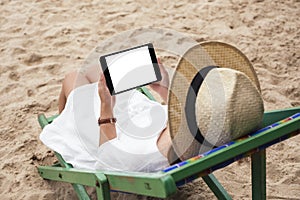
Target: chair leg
(81, 192)
(102, 187)
(216, 187)
(79, 189)
(258, 169)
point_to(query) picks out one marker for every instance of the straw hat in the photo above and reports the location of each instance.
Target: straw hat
(208, 105)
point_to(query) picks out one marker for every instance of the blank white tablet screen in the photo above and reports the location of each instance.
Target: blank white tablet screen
(130, 69)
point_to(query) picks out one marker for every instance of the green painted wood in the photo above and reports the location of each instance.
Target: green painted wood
(258, 170)
(50, 119)
(79, 189)
(81, 192)
(216, 187)
(43, 121)
(234, 150)
(273, 116)
(61, 161)
(68, 175)
(146, 92)
(102, 187)
(150, 184)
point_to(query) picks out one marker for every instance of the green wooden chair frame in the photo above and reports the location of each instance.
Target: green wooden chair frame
(164, 183)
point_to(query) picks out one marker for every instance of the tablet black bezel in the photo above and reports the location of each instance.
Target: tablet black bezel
(107, 74)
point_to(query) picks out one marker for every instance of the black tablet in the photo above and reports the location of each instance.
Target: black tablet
(130, 68)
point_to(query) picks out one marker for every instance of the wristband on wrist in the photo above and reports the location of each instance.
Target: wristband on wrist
(106, 121)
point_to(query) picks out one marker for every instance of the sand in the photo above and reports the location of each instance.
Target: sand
(40, 41)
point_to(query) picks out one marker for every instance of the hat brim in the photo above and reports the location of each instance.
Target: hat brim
(205, 54)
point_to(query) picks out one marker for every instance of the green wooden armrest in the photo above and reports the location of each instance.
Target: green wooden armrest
(150, 184)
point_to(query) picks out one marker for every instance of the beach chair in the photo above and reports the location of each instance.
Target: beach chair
(278, 125)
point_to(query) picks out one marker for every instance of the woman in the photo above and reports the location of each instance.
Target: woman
(116, 150)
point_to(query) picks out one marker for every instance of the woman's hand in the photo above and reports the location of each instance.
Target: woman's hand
(107, 101)
(162, 86)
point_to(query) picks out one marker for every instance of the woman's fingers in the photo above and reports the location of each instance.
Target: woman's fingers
(102, 84)
(165, 76)
(103, 90)
(104, 93)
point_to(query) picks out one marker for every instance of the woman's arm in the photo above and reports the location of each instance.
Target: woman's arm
(107, 130)
(164, 141)
(162, 86)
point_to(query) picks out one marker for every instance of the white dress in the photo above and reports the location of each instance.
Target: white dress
(75, 133)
